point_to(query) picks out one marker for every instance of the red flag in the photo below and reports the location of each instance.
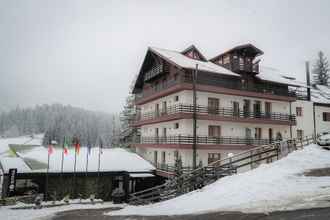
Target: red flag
(65, 151)
(50, 149)
(77, 146)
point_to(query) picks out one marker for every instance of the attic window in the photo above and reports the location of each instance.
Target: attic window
(176, 98)
(176, 125)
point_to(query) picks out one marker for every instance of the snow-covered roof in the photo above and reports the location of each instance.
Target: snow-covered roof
(273, 75)
(320, 94)
(28, 155)
(22, 140)
(185, 62)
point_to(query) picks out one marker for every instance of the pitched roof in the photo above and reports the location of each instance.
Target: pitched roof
(256, 50)
(183, 61)
(193, 48)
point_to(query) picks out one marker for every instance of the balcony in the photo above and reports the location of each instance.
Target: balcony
(180, 111)
(202, 140)
(156, 70)
(208, 83)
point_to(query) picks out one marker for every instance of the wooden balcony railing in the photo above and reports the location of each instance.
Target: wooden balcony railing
(153, 72)
(182, 139)
(215, 81)
(221, 112)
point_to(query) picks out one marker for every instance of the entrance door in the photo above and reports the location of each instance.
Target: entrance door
(163, 158)
(213, 105)
(257, 109)
(157, 110)
(246, 108)
(270, 135)
(164, 135)
(214, 134)
(157, 135)
(155, 157)
(248, 135)
(236, 109)
(164, 108)
(268, 109)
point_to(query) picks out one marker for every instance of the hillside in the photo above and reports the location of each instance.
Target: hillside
(280, 185)
(57, 121)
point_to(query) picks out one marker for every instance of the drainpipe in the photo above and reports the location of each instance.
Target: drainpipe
(308, 82)
(290, 121)
(194, 76)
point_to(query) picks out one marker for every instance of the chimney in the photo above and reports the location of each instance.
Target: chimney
(308, 81)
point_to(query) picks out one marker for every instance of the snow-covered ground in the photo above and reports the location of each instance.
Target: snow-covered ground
(32, 214)
(277, 186)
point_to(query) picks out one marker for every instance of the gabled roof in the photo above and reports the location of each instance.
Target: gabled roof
(194, 49)
(185, 62)
(248, 46)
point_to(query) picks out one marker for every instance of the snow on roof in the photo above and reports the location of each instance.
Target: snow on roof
(273, 75)
(23, 140)
(189, 63)
(275, 186)
(112, 159)
(321, 94)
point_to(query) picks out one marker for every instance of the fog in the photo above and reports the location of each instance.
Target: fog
(86, 53)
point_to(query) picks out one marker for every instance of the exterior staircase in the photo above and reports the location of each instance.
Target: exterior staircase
(203, 176)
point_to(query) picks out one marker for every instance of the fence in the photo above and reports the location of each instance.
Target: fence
(202, 176)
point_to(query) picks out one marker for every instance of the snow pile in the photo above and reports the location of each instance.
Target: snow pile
(277, 186)
(31, 214)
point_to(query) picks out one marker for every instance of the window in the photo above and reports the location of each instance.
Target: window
(155, 157)
(212, 157)
(176, 125)
(236, 109)
(268, 108)
(226, 59)
(300, 134)
(326, 116)
(214, 131)
(257, 133)
(299, 111)
(176, 98)
(163, 157)
(213, 105)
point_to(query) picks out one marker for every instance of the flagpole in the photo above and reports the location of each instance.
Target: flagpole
(62, 164)
(48, 157)
(86, 172)
(75, 166)
(98, 167)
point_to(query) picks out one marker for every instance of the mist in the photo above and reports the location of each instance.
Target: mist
(86, 53)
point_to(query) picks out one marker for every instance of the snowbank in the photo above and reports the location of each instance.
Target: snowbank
(276, 186)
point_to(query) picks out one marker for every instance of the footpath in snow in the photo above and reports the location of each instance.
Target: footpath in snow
(277, 186)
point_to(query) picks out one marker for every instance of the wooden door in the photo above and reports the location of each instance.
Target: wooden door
(257, 109)
(213, 105)
(246, 108)
(236, 109)
(155, 157)
(268, 109)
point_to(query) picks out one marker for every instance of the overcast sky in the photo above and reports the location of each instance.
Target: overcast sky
(86, 53)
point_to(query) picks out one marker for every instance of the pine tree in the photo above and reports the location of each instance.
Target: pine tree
(321, 70)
